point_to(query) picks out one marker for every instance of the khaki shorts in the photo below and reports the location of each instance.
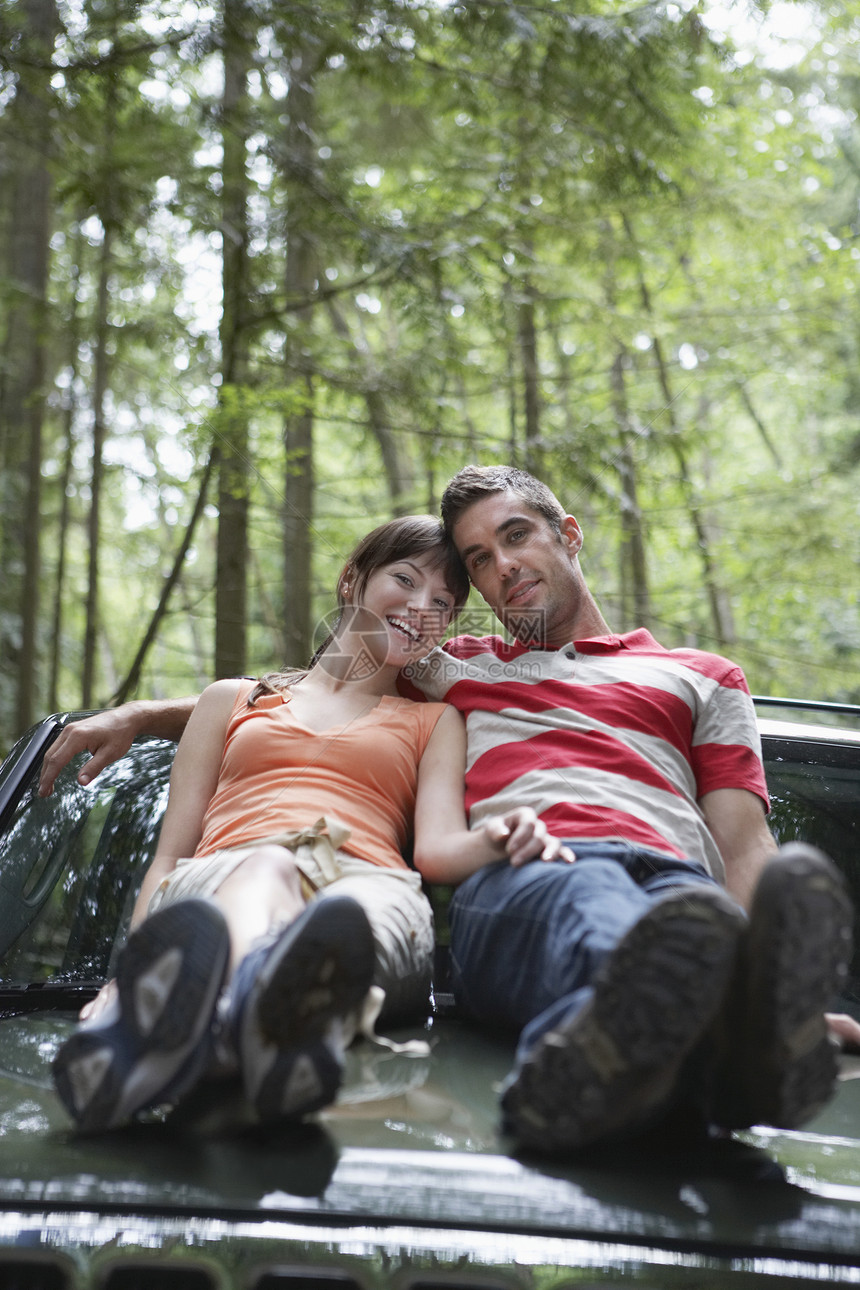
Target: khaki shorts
(396, 907)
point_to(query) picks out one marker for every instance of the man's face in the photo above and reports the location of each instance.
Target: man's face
(526, 572)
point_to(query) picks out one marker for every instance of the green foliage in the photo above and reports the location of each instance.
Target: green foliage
(673, 221)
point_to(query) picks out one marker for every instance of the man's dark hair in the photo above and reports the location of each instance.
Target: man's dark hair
(473, 483)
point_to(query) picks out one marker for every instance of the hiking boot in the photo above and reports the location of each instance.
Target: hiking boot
(296, 1001)
(151, 1043)
(613, 1066)
(776, 1063)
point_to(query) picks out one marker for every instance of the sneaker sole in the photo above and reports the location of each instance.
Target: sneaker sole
(169, 976)
(317, 974)
(782, 1066)
(616, 1063)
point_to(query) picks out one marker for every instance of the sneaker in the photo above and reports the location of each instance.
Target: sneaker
(295, 1005)
(150, 1045)
(776, 1063)
(611, 1068)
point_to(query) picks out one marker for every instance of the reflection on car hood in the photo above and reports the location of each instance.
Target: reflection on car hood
(416, 1142)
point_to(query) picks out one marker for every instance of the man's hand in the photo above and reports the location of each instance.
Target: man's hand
(522, 836)
(106, 995)
(845, 1029)
(107, 736)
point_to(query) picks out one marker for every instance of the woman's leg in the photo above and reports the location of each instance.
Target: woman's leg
(401, 920)
(263, 894)
(300, 970)
(292, 1003)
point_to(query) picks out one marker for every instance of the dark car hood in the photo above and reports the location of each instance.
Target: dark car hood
(414, 1141)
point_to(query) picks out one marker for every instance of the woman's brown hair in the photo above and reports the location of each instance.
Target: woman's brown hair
(398, 539)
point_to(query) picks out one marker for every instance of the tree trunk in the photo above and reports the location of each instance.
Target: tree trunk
(758, 422)
(714, 536)
(636, 600)
(59, 584)
(400, 473)
(23, 361)
(527, 338)
(231, 581)
(298, 517)
(100, 387)
(298, 427)
(716, 596)
(65, 481)
(129, 685)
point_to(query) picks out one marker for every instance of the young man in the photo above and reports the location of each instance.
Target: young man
(637, 984)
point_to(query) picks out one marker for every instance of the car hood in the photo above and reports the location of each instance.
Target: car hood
(415, 1141)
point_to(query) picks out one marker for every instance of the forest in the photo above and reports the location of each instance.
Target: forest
(271, 271)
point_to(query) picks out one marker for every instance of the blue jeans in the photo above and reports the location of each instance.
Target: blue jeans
(526, 942)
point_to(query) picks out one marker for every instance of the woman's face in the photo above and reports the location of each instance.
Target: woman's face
(404, 610)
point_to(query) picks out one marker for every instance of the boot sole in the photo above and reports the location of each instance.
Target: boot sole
(320, 970)
(783, 1066)
(616, 1063)
(169, 976)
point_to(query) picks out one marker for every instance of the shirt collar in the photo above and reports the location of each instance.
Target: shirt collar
(640, 639)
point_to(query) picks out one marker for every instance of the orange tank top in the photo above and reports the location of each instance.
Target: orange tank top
(277, 776)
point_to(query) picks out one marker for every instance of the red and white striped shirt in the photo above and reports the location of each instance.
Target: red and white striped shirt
(613, 737)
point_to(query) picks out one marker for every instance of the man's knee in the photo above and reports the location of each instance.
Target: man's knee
(499, 887)
(502, 881)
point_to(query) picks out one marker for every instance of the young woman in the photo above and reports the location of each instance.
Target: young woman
(280, 869)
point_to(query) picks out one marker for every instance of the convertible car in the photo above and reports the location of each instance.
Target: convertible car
(407, 1183)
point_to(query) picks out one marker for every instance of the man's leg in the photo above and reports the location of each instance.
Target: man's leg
(613, 982)
(523, 939)
(771, 1059)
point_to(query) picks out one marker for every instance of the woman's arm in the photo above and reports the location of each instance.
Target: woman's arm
(446, 850)
(192, 783)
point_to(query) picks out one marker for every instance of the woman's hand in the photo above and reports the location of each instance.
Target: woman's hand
(446, 849)
(522, 836)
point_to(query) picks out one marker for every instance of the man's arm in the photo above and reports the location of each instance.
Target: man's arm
(108, 735)
(736, 820)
